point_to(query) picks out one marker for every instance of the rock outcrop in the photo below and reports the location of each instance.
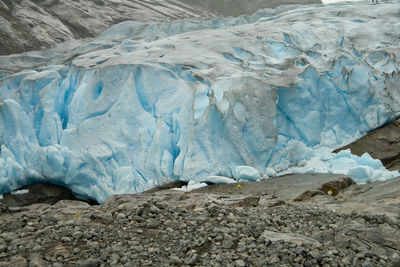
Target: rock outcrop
(382, 143)
(27, 25)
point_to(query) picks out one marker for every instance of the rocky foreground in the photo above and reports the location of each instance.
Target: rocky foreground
(327, 220)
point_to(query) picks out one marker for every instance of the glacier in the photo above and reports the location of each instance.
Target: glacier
(202, 100)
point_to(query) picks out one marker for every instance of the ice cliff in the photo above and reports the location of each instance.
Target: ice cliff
(202, 99)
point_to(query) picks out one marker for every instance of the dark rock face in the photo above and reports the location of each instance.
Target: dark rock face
(382, 143)
(331, 188)
(35, 194)
(27, 25)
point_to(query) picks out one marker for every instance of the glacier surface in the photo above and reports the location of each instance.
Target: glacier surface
(202, 100)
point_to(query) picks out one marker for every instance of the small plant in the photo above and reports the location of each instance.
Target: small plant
(330, 192)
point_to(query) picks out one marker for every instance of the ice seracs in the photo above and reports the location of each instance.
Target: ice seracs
(236, 98)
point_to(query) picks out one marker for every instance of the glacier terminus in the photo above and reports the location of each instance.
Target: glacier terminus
(202, 100)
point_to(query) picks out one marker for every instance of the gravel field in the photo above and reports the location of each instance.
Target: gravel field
(233, 225)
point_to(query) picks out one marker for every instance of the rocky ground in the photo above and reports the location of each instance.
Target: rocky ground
(325, 221)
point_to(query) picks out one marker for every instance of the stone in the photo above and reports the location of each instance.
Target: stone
(175, 260)
(153, 209)
(316, 255)
(38, 262)
(191, 258)
(288, 237)
(121, 216)
(77, 235)
(8, 236)
(227, 243)
(240, 263)
(36, 248)
(90, 263)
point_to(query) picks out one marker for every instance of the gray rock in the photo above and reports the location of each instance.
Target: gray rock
(191, 258)
(90, 263)
(37, 248)
(316, 255)
(175, 260)
(77, 235)
(240, 263)
(153, 209)
(227, 243)
(121, 216)
(38, 262)
(288, 237)
(66, 239)
(8, 236)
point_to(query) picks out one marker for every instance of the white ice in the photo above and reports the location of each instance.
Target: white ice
(20, 192)
(192, 185)
(147, 103)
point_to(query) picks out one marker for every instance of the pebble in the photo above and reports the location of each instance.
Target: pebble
(36, 248)
(121, 216)
(227, 243)
(77, 235)
(175, 260)
(8, 237)
(316, 255)
(191, 258)
(240, 263)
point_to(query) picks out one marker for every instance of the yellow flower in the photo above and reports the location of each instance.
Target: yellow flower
(330, 192)
(78, 214)
(239, 186)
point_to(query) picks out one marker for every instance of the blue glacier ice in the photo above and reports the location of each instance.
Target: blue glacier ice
(202, 100)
